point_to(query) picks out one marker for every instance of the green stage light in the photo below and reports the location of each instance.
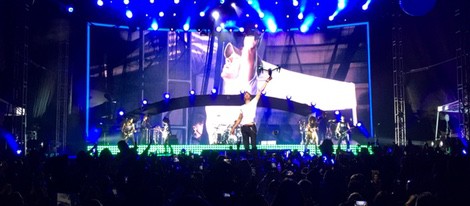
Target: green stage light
(197, 149)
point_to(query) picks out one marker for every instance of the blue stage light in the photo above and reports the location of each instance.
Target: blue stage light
(464, 151)
(161, 14)
(365, 6)
(95, 134)
(272, 26)
(214, 90)
(308, 22)
(126, 2)
(337, 112)
(100, 2)
(295, 3)
(202, 14)
(70, 9)
(129, 14)
(215, 15)
(300, 16)
(166, 95)
(144, 102)
(10, 139)
(342, 4)
(152, 1)
(18, 152)
(154, 25)
(241, 29)
(186, 27)
(359, 124)
(176, 1)
(192, 92)
(218, 29)
(340, 7)
(121, 113)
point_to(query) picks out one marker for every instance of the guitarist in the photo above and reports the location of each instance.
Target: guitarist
(128, 130)
(343, 133)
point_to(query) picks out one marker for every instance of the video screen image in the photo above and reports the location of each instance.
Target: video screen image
(132, 71)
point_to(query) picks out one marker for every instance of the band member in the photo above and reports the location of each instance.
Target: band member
(145, 127)
(322, 126)
(235, 137)
(311, 131)
(128, 130)
(199, 135)
(247, 118)
(343, 132)
(166, 132)
(302, 131)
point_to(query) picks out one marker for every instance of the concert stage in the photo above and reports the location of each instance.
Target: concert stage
(197, 149)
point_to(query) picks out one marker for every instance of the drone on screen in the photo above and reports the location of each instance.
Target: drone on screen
(270, 70)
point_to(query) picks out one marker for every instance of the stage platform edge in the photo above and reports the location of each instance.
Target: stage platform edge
(197, 149)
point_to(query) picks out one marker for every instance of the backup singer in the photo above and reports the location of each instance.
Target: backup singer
(247, 119)
(312, 128)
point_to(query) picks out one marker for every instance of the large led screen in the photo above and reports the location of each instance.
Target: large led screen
(130, 71)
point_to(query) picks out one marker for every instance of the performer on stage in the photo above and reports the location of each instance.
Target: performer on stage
(343, 132)
(128, 130)
(166, 132)
(247, 118)
(145, 128)
(322, 126)
(199, 135)
(311, 129)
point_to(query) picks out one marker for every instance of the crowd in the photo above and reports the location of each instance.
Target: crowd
(392, 175)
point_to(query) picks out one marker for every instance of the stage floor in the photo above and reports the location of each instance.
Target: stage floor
(197, 149)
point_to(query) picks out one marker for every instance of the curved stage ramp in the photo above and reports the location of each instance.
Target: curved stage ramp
(221, 100)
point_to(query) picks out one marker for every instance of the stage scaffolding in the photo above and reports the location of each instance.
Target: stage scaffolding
(62, 89)
(20, 75)
(463, 66)
(398, 79)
